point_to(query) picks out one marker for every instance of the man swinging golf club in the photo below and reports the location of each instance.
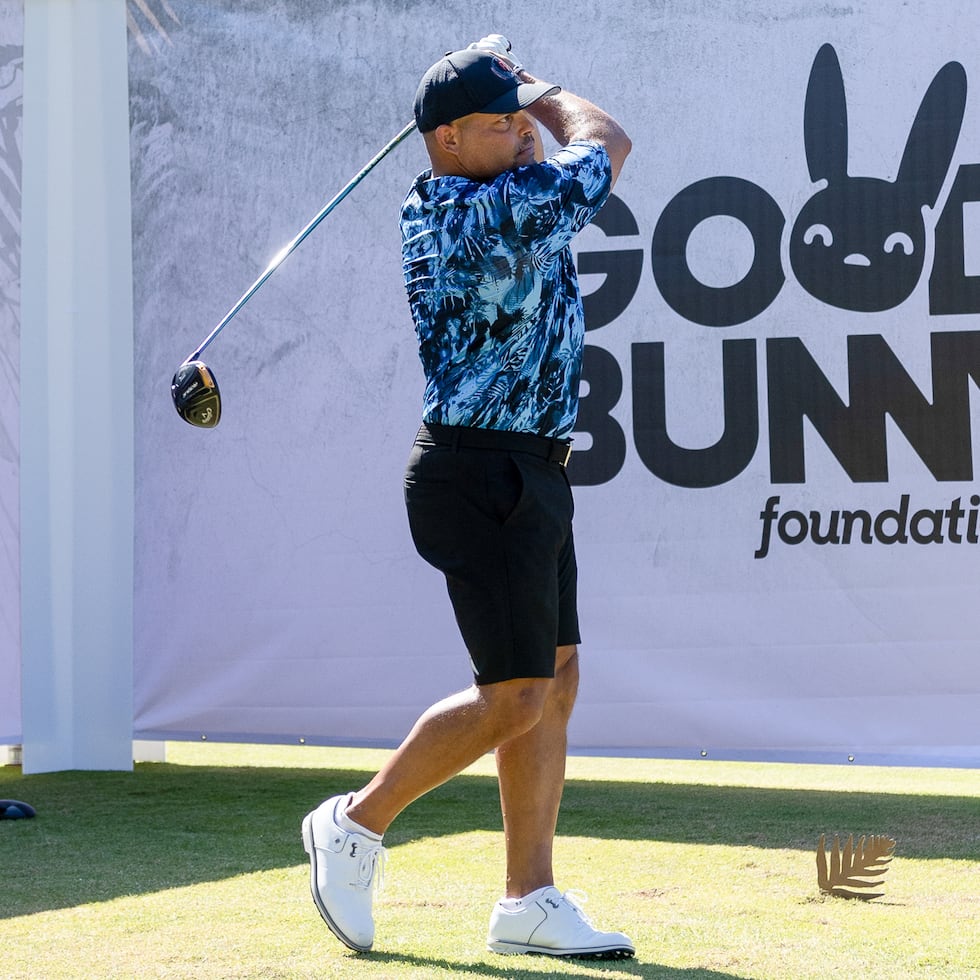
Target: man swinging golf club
(493, 294)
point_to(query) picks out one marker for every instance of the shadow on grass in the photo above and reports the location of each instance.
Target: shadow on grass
(528, 967)
(102, 835)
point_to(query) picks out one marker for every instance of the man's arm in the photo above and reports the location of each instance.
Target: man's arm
(568, 117)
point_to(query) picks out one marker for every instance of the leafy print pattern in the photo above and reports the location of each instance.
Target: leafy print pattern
(493, 291)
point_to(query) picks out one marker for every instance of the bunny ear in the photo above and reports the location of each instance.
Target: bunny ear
(825, 118)
(934, 133)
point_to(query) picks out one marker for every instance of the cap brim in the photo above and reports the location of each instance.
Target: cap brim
(527, 93)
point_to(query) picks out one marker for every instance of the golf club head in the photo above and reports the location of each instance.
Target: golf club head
(196, 396)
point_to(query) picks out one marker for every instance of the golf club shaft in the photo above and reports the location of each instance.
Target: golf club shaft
(288, 250)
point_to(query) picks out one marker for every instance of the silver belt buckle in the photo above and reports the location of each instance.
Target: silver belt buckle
(568, 455)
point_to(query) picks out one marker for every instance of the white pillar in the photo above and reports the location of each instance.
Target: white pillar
(76, 402)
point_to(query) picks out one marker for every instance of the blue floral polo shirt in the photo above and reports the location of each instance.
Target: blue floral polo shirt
(493, 291)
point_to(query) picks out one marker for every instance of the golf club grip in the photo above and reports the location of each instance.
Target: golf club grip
(291, 247)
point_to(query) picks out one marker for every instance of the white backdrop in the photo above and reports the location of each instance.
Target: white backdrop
(277, 592)
(11, 115)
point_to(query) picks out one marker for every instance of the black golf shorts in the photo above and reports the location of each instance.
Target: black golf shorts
(498, 524)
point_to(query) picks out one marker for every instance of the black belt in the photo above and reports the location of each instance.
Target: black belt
(468, 437)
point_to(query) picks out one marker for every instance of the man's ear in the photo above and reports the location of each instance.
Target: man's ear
(447, 138)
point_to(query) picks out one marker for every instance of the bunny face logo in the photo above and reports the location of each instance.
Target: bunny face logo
(859, 242)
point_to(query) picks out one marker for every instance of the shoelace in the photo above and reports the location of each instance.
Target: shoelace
(371, 869)
(577, 899)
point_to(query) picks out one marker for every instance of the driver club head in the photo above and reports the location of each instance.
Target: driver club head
(196, 396)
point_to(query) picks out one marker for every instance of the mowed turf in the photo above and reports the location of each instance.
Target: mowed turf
(195, 869)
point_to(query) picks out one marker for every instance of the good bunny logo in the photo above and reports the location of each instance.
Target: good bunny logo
(858, 243)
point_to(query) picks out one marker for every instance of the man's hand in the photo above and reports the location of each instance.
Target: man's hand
(500, 46)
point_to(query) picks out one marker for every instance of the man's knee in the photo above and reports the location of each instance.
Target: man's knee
(565, 688)
(517, 705)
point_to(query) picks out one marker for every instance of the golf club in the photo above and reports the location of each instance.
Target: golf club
(194, 388)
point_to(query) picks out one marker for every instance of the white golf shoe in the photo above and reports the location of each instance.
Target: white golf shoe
(343, 868)
(552, 924)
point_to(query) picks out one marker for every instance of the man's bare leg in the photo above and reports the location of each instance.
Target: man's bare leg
(531, 770)
(447, 738)
(531, 773)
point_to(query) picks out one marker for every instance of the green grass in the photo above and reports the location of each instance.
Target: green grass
(195, 869)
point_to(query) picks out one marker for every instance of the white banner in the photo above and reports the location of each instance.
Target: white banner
(11, 118)
(777, 517)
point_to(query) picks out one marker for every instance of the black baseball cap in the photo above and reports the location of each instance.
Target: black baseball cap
(472, 80)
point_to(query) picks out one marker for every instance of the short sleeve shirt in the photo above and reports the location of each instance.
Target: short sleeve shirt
(493, 291)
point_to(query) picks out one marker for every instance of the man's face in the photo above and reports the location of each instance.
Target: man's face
(487, 145)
